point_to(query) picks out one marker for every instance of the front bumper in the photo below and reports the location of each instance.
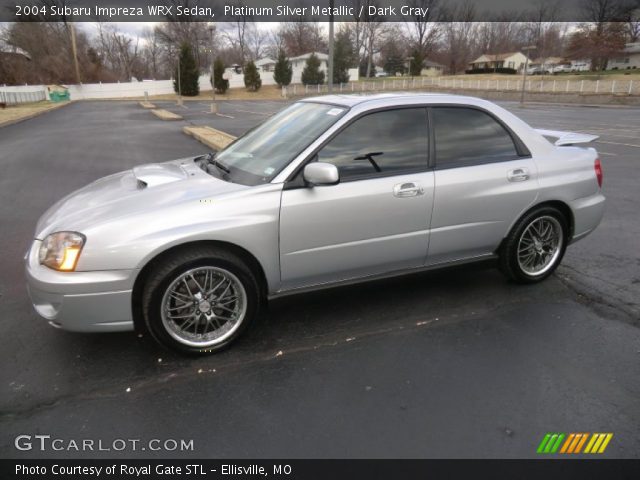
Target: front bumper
(97, 301)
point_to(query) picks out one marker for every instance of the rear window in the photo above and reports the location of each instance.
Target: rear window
(466, 136)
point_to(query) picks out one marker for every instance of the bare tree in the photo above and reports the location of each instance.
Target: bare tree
(152, 53)
(256, 41)
(300, 36)
(604, 35)
(374, 28)
(120, 52)
(424, 30)
(632, 20)
(459, 36)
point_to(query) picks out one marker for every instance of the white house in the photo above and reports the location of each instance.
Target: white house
(298, 64)
(266, 64)
(266, 67)
(629, 58)
(515, 60)
(431, 69)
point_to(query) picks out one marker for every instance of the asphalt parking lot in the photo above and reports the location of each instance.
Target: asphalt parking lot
(458, 363)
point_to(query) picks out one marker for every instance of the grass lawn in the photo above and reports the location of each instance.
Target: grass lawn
(267, 92)
(13, 113)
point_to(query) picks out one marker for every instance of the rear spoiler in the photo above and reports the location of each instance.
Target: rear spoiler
(567, 138)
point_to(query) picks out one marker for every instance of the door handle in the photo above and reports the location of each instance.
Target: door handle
(409, 189)
(518, 175)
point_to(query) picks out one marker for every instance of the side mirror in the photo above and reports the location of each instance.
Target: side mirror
(319, 173)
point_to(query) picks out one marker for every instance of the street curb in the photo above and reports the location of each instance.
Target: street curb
(147, 105)
(166, 115)
(215, 139)
(33, 115)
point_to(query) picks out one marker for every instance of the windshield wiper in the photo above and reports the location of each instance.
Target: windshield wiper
(221, 166)
(211, 159)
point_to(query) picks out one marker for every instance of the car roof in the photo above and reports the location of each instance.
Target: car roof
(396, 98)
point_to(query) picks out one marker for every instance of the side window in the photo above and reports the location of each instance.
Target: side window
(466, 135)
(389, 142)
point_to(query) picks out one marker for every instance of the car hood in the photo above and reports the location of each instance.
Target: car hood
(145, 188)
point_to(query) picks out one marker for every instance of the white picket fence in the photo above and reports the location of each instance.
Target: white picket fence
(11, 95)
(87, 91)
(544, 85)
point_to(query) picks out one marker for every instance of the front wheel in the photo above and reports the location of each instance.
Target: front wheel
(200, 301)
(535, 246)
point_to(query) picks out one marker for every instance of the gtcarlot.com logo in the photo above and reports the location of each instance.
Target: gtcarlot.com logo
(574, 443)
(45, 443)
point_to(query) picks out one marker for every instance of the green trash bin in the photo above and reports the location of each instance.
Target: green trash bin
(56, 96)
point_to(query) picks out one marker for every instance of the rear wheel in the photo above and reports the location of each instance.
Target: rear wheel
(199, 301)
(535, 246)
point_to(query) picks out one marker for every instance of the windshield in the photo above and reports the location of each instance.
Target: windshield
(261, 153)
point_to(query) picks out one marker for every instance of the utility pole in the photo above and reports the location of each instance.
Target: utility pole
(330, 64)
(179, 86)
(524, 71)
(214, 107)
(74, 49)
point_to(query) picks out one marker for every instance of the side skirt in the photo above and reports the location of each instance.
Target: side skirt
(380, 276)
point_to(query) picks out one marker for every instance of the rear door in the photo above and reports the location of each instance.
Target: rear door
(377, 218)
(485, 178)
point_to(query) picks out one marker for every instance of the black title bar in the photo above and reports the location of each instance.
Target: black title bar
(307, 10)
(319, 469)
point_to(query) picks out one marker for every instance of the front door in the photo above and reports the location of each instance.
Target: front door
(376, 219)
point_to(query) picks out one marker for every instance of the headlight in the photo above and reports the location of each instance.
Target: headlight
(61, 250)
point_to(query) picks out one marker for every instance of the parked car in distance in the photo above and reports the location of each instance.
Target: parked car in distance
(537, 71)
(564, 68)
(329, 191)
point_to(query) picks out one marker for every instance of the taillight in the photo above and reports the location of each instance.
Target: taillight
(598, 168)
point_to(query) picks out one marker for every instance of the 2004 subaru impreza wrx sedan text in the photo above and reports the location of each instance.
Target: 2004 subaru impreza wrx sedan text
(330, 190)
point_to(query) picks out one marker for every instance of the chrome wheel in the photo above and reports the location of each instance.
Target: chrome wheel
(540, 245)
(204, 306)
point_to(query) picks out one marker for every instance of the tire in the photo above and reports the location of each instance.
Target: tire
(200, 300)
(535, 246)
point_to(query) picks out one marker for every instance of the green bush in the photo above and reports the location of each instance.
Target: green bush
(219, 83)
(312, 75)
(283, 70)
(252, 77)
(189, 73)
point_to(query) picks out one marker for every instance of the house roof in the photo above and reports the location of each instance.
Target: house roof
(430, 63)
(494, 57)
(15, 52)
(632, 48)
(321, 56)
(548, 60)
(265, 61)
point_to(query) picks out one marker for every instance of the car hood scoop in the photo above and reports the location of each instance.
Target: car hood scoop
(153, 174)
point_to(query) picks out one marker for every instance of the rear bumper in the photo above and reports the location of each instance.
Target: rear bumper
(80, 301)
(587, 214)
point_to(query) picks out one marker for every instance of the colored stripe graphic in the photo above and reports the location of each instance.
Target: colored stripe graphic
(572, 443)
(567, 443)
(550, 443)
(598, 443)
(581, 443)
(543, 443)
(555, 447)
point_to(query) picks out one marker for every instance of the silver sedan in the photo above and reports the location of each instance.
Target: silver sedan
(330, 190)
